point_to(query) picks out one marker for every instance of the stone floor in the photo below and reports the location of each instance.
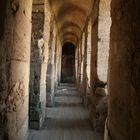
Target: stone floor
(67, 120)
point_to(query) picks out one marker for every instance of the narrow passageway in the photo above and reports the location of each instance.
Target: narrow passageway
(67, 120)
(94, 44)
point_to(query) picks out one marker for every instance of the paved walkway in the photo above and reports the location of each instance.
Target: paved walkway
(67, 120)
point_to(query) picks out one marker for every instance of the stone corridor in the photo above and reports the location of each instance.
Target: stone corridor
(67, 119)
(70, 69)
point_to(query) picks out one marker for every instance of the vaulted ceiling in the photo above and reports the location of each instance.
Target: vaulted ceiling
(70, 16)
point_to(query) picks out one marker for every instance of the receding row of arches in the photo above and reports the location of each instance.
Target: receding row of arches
(93, 44)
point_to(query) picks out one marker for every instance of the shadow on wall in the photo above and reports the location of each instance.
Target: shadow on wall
(2, 16)
(68, 63)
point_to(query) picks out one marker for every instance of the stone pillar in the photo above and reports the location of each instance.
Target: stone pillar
(124, 64)
(36, 111)
(76, 64)
(57, 64)
(51, 68)
(79, 65)
(15, 43)
(85, 67)
(44, 42)
(96, 90)
(58, 60)
(88, 68)
(94, 48)
(82, 51)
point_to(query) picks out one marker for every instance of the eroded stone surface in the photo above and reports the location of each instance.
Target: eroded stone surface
(85, 24)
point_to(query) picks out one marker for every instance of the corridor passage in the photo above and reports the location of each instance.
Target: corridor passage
(67, 120)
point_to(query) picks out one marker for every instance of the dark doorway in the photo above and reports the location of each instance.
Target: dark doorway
(68, 63)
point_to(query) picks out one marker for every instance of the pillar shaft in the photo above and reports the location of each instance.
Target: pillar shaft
(123, 119)
(16, 41)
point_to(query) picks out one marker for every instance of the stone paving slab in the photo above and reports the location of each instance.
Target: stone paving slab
(67, 120)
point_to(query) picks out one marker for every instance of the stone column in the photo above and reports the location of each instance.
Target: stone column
(14, 96)
(96, 92)
(79, 64)
(124, 65)
(36, 111)
(51, 68)
(56, 64)
(94, 48)
(76, 64)
(82, 51)
(85, 67)
(58, 61)
(88, 68)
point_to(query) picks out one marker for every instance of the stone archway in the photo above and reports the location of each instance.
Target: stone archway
(68, 63)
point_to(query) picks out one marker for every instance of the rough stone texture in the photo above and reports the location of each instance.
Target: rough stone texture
(95, 115)
(38, 69)
(101, 111)
(123, 118)
(83, 62)
(78, 78)
(94, 43)
(2, 15)
(99, 60)
(93, 99)
(85, 66)
(14, 61)
(46, 32)
(88, 67)
(58, 58)
(81, 65)
(76, 65)
(71, 20)
(103, 39)
(50, 80)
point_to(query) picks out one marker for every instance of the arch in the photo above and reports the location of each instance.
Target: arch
(68, 63)
(68, 9)
(69, 24)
